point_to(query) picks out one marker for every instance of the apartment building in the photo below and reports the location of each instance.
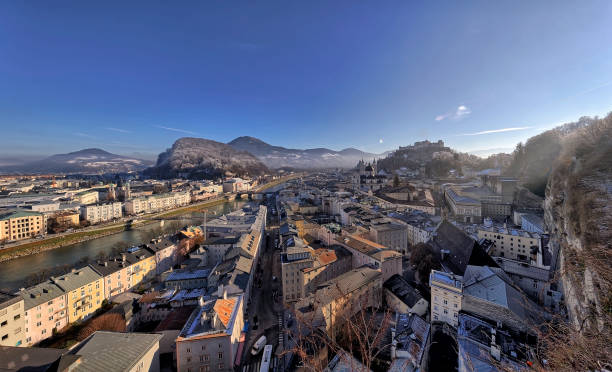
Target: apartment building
(101, 212)
(210, 338)
(116, 274)
(19, 224)
(367, 252)
(156, 203)
(339, 299)
(465, 208)
(143, 264)
(328, 264)
(12, 321)
(46, 310)
(446, 296)
(165, 251)
(85, 291)
(391, 235)
(292, 262)
(68, 218)
(511, 243)
(87, 197)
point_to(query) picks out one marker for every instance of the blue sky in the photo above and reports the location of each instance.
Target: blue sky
(134, 76)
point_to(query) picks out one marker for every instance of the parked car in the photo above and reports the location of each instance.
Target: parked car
(259, 345)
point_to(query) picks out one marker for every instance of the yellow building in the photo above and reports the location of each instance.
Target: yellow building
(85, 290)
(67, 218)
(18, 224)
(142, 263)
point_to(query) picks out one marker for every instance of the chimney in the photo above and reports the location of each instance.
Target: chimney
(123, 257)
(225, 294)
(443, 254)
(105, 263)
(204, 318)
(221, 290)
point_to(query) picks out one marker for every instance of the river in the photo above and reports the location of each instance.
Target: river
(15, 273)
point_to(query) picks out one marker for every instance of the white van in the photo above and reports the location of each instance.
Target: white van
(259, 345)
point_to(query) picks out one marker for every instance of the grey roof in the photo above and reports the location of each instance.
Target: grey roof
(76, 279)
(411, 334)
(159, 244)
(345, 362)
(40, 293)
(489, 292)
(28, 359)
(403, 290)
(188, 274)
(462, 249)
(7, 300)
(348, 282)
(113, 351)
(106, 268)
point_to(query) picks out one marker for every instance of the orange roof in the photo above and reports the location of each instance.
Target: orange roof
(325, 256)
(224, 309)
(360, 244)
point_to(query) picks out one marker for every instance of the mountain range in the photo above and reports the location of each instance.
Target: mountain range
(88, 161)
(281, 157)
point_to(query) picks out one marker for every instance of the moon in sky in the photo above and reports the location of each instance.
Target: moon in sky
(380, 141)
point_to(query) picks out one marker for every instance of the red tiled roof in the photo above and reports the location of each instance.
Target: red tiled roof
(224, 308)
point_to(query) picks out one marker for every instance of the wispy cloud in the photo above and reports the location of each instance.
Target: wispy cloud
(118, 130)
(84, 135)
(460, 112)
(496, 131)
(587, 91)
(176, 129)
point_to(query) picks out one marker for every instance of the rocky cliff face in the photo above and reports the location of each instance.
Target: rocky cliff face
(578, 213)
(202, 158)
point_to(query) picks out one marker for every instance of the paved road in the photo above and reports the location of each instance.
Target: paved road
(267, 307)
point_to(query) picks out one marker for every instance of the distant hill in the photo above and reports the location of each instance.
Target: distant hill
(89, 161)
(203, 158)
(281, 157)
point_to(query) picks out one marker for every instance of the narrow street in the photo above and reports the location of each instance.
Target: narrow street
(265, 306)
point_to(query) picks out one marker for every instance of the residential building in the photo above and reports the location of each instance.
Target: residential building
(166, 253)
(465, 208)
(45, 207)
(535, 281)
(156, 203)
(67, 218)
(446, 295)
(337, 300)
(87, 197)
(116, 274)
(367, 252)
(511, 243)
(85, 291)
(491, 294)
(116, 351)
(12, 321)
(401, 297)
(19, 224)
(391, 235)
(187, 279)
(292, 262)
(143, 264)
(327, 265)
(46, 311)
(210, 338)
(419, 225)
(97, 213)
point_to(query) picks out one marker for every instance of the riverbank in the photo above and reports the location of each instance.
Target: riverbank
(43, 245)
